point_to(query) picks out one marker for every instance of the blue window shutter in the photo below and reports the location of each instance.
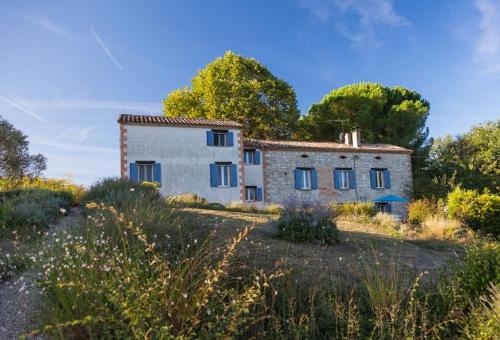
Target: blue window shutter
(387, 178)
(234, 175)
(352, 179)
(298, 179)
(230, 139)
(336, 178)
(157, 173)
(134, 172)
(213, 175)
(373, 179)
(389, 208)
(257, 157)
(258, 194)
(314, 178)
(210, 138)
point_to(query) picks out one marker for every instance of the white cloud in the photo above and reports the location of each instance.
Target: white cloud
(370, 14)
(106, 50)
(73, 147)
(23, 108)
(148, 107)
(487, 50)
(45, 22)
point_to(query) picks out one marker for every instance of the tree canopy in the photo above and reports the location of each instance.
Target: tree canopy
(15, 160)
(394, 115)
(470, 160)
(240, 89)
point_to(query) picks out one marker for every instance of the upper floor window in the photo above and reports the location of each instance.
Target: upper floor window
(344, 179)
(251, 156)
(305, 175)
(219, 138)
(380, 179)
(306, 179)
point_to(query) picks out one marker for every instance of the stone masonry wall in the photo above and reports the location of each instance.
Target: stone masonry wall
(279, 169)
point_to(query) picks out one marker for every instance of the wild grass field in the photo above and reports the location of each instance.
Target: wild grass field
(130, 264)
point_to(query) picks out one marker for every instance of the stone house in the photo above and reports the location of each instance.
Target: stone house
(212, 159)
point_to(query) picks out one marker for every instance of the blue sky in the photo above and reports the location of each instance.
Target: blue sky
(68, 68)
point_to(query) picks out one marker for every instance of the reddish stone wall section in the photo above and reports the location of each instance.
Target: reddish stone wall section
(325, 184)
(123, 151)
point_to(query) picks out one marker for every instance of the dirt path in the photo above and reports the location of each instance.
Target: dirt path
(20, 303)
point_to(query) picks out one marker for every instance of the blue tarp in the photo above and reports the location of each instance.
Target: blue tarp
(390, 198)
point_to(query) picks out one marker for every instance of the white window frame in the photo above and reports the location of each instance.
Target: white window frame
(344, 179)
(221, 181)
(379, 179)
(220, 138)
(146, 175)
(250, 157)
(249, 191)
(306, 175)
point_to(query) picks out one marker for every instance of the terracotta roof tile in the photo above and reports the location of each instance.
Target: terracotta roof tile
(176, 121)
(322, 146)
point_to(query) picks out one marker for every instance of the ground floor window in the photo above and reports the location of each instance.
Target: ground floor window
(223, 175)
(145, 172)
(383, 207)
(251, 194)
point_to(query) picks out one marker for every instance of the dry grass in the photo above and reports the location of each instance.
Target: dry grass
(322, 262)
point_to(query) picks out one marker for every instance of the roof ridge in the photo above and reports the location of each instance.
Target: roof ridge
(325, 145)
(126, 118)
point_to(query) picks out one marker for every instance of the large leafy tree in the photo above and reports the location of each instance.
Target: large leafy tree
(393, 115)
(15, 160)
(470, 160)
(241, 89)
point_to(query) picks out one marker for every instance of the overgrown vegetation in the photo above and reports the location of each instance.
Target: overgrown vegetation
(137, 266)
(356, 210)
(312, 222)
(481, 211)
(189, 200)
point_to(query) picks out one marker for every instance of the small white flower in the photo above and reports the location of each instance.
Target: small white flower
(62, 210)
(132, 189)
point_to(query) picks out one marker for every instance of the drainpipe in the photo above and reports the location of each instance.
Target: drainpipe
(354, 169)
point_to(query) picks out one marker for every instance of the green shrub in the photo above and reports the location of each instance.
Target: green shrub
(188, 200)
(480, 211)
(12, 187)
(308, 223)
(420, 210)
(112, 190)
(483, 322)
(354, 209)
(479, 269)
(38, 208)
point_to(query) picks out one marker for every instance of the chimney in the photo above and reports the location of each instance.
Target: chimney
(356, 137)
(347, 138)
